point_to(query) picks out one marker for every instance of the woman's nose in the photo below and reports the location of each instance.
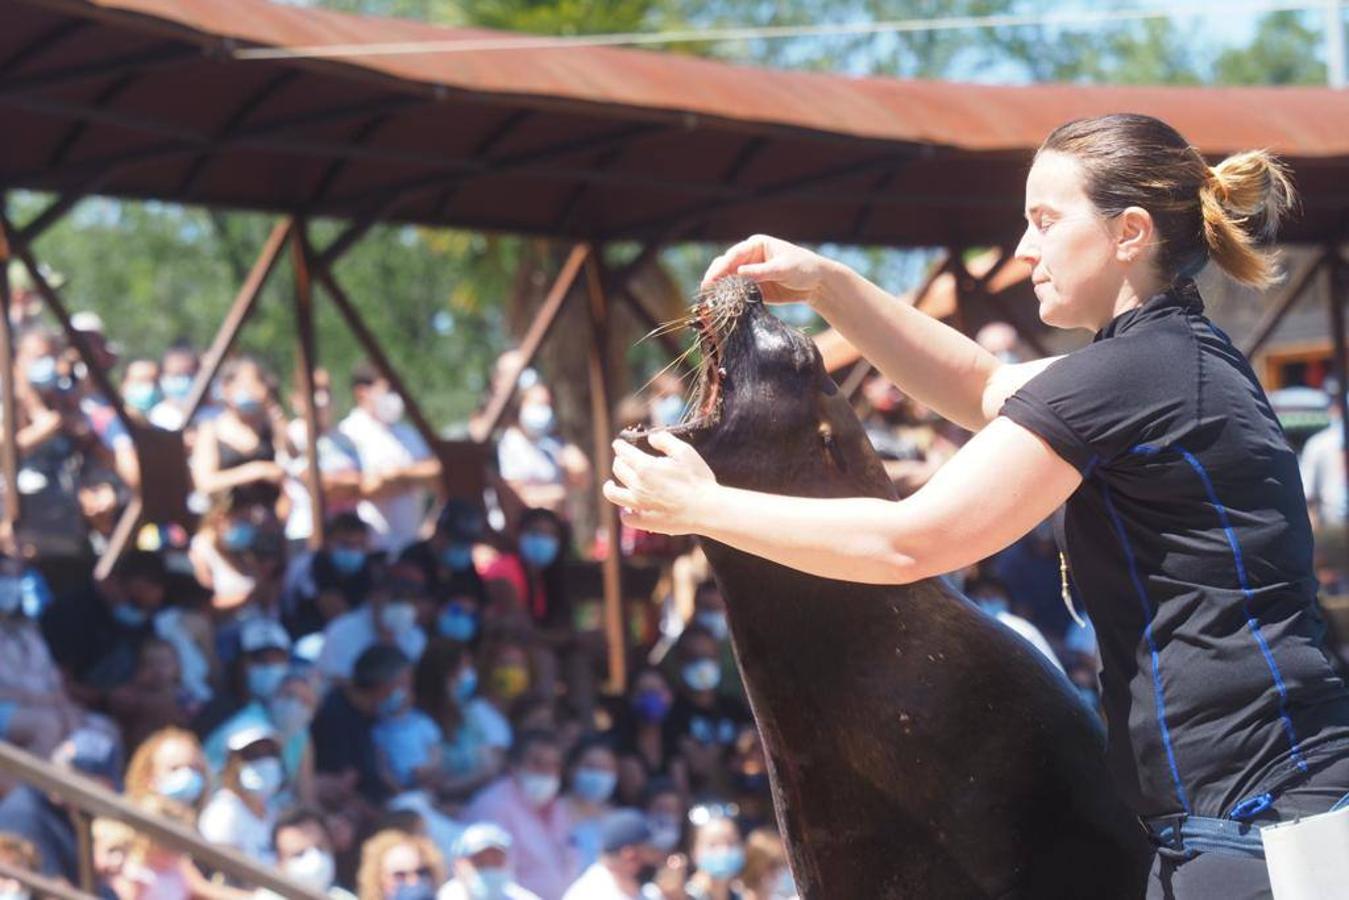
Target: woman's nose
(1028, 249)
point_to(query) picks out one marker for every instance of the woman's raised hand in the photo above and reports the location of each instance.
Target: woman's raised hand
(785, 272)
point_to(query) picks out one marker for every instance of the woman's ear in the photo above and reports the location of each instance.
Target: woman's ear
(1133, 234)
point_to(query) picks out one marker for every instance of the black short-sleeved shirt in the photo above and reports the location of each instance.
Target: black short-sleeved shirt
(1190, 544)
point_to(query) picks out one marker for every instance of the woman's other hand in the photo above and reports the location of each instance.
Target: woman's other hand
(663, 494)
(784, 272)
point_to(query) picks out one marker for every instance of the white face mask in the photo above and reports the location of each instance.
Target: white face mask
(313, 868)
(388, 407)
(263, 777)
(536, 418)
(538, 789)
(489, 884)
(16, 894)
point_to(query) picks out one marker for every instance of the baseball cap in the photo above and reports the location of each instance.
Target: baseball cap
(623, 828)
(249, 733)
(481, 836)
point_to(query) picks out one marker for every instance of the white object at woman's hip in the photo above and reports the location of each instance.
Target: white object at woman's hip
(1308, 858)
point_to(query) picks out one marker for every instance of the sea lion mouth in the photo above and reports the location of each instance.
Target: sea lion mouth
(712, 319)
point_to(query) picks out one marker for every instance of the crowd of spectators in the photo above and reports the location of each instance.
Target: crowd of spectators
(412, 707)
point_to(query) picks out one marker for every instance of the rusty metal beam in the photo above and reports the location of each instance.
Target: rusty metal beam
(122, 534)
(243, 305)
(139, 61)
(44, 42)
(9, 449)
(233, 124)
(366, 338)
(538, 330)
(304, 330)
(1273, 316)
(601, 414)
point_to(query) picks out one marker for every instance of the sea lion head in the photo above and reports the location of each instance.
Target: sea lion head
(765, 414)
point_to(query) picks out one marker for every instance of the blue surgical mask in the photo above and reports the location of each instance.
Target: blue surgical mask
(42, 374)
(263, 777)
(466, 685)
(457, 623)
(668, 410)
(488, 883)
(176, 387)
(651, 705)
(239, 536)
(594, 785)
(346, 560)
(665, 832)
(142, 396)
(11, 594)
(785, 888)
(393, 704)
(538, 549)
(183, 784)
(723, 863)
(419, 890)
(538, 789)
(715, 622)
(130, 616)
(457, 557)
(245, 403)
(265, 678)
(702, 674)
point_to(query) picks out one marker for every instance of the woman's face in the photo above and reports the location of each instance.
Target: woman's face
(176, 754)
(1070, 247)
(402, 865)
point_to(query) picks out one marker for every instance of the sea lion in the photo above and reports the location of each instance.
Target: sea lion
(916, 747)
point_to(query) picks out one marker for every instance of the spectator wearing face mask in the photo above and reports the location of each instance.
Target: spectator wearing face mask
(626, 864)
(536, 570)
(408, 744)
(592, 776)
(257, 667)
(177, 370)
(398, 469)
(36, 713)
(525, 803)
(140, 387)
(709, 611)
(241, 813)
(237, 452)
(718, 859)
(389, 616)
(153, 698)
(666, 813)
(639, 736)
(703, 724)
(508, 675)
(343, 727)
(766, 875)
(323, 585)
(534, 460)
(95, 634)
(475, 735)
(304, 851)
(46, 822)
(396, 865)
(482, 867)
(169, 764)
(239, 556)
(446, 560)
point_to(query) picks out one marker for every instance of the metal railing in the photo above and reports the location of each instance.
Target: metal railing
(88, 798)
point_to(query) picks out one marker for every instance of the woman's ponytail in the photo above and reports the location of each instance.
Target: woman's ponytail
(1243, 200)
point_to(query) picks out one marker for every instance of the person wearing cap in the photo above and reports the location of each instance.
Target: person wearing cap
(626, 864)
(242, 812)
(320, 586)
(304, 852)
(482, 867)
(255, 672)
(44, 820)
(446, 557)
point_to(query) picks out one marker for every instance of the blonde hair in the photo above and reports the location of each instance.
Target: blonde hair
(764, 855)
(369, 875)
(139, 780)
(1228, 213)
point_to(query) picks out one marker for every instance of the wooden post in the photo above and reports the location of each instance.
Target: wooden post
(9, 453)
(243, 305)
(121, 537)
(84, 848)
(304, 328)
(529, 347)
(1339, 288)
(370, 344)
(1272, 317)
(601, 409)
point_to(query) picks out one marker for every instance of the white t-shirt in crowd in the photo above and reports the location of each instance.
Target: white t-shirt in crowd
(456, 890)
(1322, 465)
(337, 455)
(228, 820)
(395, 519)
(347, 637)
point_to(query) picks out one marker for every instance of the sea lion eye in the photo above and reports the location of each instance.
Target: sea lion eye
(830, 446)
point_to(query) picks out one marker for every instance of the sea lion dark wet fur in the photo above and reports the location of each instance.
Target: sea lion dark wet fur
(917, 748)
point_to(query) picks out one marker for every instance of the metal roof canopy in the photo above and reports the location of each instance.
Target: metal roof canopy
(143, 98)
